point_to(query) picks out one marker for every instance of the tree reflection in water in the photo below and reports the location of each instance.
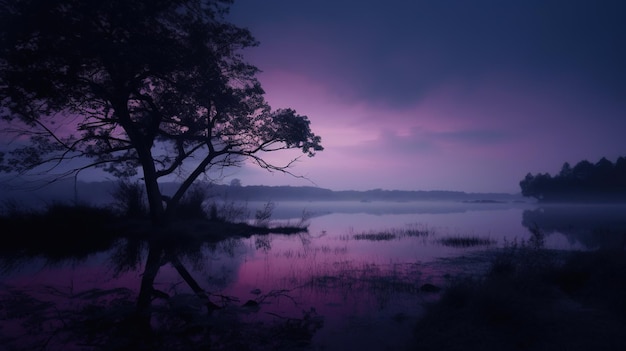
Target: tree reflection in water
(121, 318)
(592, 226)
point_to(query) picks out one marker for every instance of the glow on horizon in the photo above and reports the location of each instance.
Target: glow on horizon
(442, 97)
(481, 140)
(439, 96)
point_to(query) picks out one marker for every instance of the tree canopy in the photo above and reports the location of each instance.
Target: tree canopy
(136, 87)
(602, 181)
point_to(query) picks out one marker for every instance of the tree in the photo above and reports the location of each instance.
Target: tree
(536, 186)
(566, 170)
(528, 185)
(583, 171)
(603, 181)
(137, 87)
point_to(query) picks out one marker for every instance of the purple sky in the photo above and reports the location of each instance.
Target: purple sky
(451, 95)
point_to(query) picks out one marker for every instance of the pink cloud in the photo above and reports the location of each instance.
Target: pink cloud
(477, 137)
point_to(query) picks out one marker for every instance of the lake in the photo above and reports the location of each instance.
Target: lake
(357, 279)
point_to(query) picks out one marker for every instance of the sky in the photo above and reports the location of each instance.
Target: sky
(441, 95)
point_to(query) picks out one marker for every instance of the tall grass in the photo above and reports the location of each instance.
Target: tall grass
(227, 211)
(532, 298)
(414, 230)
(263, 215)
(465, 241)
(129, 199)
(191, 206)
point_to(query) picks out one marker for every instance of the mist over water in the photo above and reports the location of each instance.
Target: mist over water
(360, 267)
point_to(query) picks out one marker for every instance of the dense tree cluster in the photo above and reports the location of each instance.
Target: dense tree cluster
(603, 181)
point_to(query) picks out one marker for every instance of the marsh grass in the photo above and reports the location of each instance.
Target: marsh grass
(227, 211)
(383, 236)
(101, 319)
(465, 241)
(412, 230)
(532, 299)
(358, 282)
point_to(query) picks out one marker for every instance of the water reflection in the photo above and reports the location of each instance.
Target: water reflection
(45, 304)
(356, 276)
(591, 226)
(295, 209)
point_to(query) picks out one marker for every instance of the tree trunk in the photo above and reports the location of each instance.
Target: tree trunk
(188, 182)
(153, 264)
(143, 144)
(155, 200)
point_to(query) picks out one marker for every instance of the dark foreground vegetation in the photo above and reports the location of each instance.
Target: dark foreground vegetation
(127, 215)
(111, 319)
(533, 299)
(603, 181)
(61, 230)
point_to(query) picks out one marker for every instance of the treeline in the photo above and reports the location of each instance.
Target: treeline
(603, 181)
(304, 193)
(100, 193)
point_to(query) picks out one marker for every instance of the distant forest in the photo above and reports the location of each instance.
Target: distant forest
(304, 193)
(604, 181)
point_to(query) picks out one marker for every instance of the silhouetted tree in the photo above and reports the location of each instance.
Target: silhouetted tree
(136, 86)
(619, 173)
(582, 171)
(601, 176)
(566, 170)
(586, 181)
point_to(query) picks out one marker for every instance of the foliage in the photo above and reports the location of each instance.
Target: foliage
(598, 226)
(530, 300)
(382, 236)
(235, 182)
(227, 211)
(101, 319)
(58, 232)
(262, 216)
(411, 230)
(129, 199)
(192, 204)
(136, 86)
(603, 181)
(465, 241)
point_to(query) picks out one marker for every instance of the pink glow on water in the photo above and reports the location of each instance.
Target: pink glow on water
(333, 271)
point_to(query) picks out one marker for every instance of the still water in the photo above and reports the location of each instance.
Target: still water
(354, 280)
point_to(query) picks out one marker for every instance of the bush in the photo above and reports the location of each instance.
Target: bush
(262, 216)
(191, 206)
(129, 199)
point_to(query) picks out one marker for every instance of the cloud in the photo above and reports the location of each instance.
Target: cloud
(474, 137)
(394, 52)
(469, 95)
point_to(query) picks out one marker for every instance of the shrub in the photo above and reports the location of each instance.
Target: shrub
(129, 199)
(191, 206)
(262, 216)
(227, 211)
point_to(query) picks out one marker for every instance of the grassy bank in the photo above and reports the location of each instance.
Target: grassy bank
(533, 299)
(61, 232)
